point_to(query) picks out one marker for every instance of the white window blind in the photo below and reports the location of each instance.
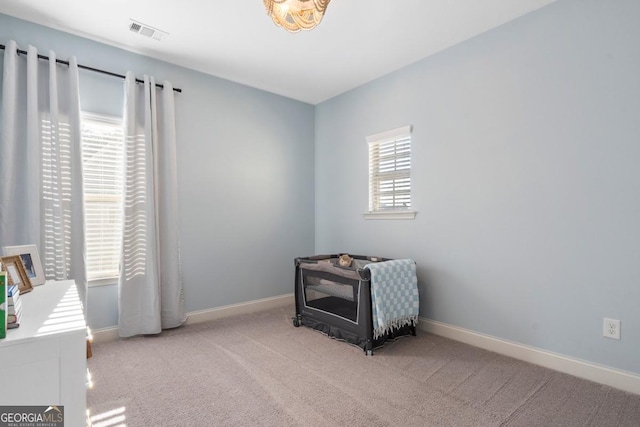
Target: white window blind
(102, 152)
(390, 170)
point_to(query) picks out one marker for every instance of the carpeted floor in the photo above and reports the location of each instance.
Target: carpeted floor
(258, 370)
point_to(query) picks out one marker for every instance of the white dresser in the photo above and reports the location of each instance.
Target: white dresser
(43, 362)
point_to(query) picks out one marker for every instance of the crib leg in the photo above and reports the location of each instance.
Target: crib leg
(297, 321)
(368, 349)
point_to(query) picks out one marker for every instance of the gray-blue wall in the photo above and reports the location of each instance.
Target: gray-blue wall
(245, 173)
(526, 143)
(524, 149)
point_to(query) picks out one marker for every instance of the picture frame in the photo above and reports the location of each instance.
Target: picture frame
(16, 274)
(31, 261)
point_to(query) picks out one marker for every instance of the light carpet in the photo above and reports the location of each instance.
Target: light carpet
(259, 370)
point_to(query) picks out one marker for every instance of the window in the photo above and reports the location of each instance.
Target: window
(102, 154)
(390, 175)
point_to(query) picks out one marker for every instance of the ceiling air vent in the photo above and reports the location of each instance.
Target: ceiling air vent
(147, 30)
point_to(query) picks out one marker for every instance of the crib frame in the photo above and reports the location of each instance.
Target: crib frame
(334, 315)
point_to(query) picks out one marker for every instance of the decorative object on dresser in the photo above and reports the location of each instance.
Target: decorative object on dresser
(16, 273)
(3, 305)
(14, 307)
(30, 259)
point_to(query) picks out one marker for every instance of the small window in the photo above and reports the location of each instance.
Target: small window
(102, 153)
(390, 175)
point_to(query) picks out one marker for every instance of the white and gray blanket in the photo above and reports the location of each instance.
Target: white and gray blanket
(394, 295)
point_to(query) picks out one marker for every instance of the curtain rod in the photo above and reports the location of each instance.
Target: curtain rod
(97, 70)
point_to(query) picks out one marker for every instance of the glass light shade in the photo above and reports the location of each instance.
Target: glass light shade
(296, 15)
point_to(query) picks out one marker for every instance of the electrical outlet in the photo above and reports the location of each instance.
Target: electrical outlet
(611, 328)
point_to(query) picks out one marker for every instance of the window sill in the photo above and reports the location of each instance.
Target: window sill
(109, 281)
(390, 215)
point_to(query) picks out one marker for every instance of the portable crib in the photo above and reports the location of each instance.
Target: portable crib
(337, 301)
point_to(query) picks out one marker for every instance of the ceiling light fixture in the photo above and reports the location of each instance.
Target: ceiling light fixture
(296, 15)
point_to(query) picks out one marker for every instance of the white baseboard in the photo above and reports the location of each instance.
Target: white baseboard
(241, 308)
(626, 381)
(105, 335)
(111, 334)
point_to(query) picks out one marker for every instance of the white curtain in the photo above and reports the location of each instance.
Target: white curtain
(41, 195)
(150, 286)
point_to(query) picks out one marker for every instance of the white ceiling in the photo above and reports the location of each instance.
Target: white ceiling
(358, 40)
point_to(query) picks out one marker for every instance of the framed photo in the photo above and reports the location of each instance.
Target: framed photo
(16, 274)
(31, 261)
